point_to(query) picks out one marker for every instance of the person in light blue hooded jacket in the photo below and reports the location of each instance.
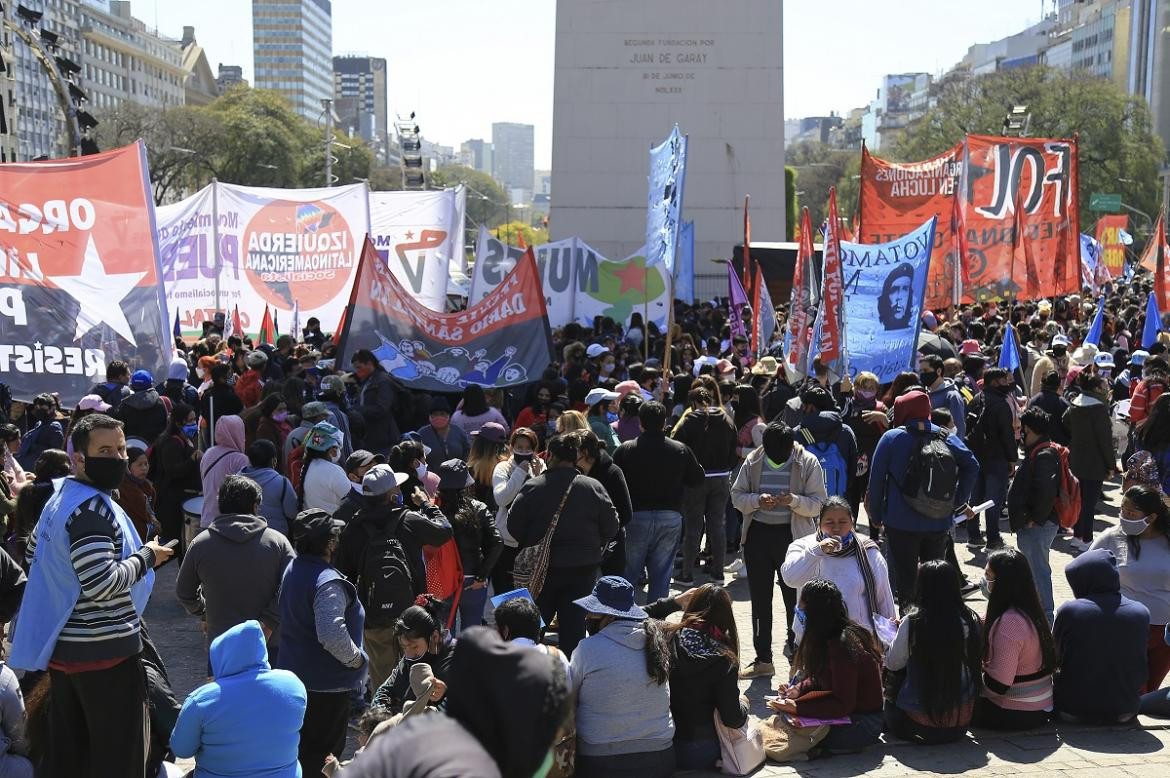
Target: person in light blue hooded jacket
(247, 721)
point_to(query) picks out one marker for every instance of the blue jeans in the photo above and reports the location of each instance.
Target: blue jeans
(994, 477)
(1034, 543)
(471, 604)
(652, 539)
(696, 754)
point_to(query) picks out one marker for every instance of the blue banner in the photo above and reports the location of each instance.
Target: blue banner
(684, 273)
(664, 199)
(884, 288)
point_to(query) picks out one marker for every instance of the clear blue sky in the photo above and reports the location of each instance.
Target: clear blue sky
(462, 64)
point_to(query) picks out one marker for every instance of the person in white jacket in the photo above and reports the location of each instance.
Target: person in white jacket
(324, 483)
(507, 478)
(853, 562)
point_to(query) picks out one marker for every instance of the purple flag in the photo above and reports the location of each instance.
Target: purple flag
(739, 299)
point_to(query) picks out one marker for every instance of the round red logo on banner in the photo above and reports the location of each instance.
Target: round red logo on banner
(298, 252)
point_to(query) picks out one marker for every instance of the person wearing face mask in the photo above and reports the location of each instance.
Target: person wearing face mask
(443, 439)
(273, 425)
(853, 562)
(176, 469)
(865, 415)
(46, 432)
(1056, 359)
(357, 465)
(1141, 545)
(422, 639)
(226, 457)
(324, 483)
(175, 387)
(376, 400)
(90, 580)
(507, 478)
(1092, 455)
(942, 391)
(321, 621)
(380, 551)
(1032, 501)
(600, 401)
(993, 442)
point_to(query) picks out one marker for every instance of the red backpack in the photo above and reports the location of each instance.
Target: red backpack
(1068, 499)
(445, 575)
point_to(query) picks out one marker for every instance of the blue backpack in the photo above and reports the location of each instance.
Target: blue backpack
(833, 464)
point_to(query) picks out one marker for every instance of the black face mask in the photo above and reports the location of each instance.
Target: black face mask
(105, 473)
(928, 378)
(522, 456)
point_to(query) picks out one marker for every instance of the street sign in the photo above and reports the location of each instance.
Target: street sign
(1108, 203)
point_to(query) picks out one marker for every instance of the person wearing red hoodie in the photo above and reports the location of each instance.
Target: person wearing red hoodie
(250, 384)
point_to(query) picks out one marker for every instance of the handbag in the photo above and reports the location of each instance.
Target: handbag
(531, 566)
(741, 748)
(786, 743)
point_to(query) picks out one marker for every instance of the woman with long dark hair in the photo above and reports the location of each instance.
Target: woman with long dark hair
(422, 639)
(475, 536)
(50, 465)
(174, 470)
(841, 667)
(1019, 654)
(749, 424)
(508, 478)
(938, 647)
(410, 457)
(489, 447)
(474, 412)
(704, 672)
(1154, 437)
(1141, 545)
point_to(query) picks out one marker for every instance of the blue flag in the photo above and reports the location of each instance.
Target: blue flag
(178, 330)
(1009, 355)
(1153, 322)
(884, 288)
(1094, 335)
(684, 272)
(664, 199)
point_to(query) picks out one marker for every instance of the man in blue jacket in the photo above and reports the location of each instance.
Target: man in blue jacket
(912, 536)
(943, 392)
(247, 720)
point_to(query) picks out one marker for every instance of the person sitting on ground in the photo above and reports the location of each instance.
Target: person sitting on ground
(1101, 622)
(14, 753)
(619, 676)
(422, 640)
(1018, 653)
(506, 707)
(840, 664)
(937, 646)
(518, 621)
(249, 718)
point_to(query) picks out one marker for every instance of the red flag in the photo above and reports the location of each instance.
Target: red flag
(829, 346)
(748, 275)
(1160, 264)
(959, 237)
(520, 239)
(237, 326)
(267, 332)
(1022, 251)
(800, 301)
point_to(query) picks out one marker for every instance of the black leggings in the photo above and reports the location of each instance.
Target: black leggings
(502, 572)
(763, 553)
(562, 585)
(899, 724)
(988, 715)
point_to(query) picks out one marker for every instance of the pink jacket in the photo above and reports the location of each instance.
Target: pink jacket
(225, 458)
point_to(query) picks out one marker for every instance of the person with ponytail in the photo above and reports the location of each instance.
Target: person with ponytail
(1019, 655)
(1141, 545)
(410, 457)
(422, 640)
(937, 646)
(840, 665)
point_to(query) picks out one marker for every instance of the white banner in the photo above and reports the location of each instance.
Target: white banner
(420, 237)
(275, 247)
(579, 283)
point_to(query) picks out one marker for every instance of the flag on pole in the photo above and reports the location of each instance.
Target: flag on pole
(684, 271)
(1154, 259)
(1098, 326)
(296, 320)
(520, 242)
(959, 238)
(275, 323)
(1022, 252)
(739, 299)
(1153, 322)
(748, 274)
(763, 314)
(233, 326)
(828, 339)
(266, 333)
(1009, 355)
(796, 336)
(664, 199)
(178, 331)
(340, 326)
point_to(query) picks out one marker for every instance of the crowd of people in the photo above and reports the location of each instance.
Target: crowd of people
(539, 578)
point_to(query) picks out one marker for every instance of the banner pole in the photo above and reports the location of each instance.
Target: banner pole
(669, 326)
(215, 238)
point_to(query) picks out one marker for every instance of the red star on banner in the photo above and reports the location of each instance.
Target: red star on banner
(632, 277)
(409, 235)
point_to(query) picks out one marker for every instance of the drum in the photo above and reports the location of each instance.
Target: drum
(192, 513)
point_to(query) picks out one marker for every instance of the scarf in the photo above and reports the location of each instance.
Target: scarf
(859, 549)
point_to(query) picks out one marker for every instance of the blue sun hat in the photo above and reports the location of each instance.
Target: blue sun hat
(612, 596)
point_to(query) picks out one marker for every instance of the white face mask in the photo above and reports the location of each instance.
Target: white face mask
(335, 455)
(199, 372)
(1134, 527)
(421, 471)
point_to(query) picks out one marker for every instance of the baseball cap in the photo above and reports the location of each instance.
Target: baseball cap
(595, 350)
(315, 411)
(142, 379)
(256, 358)
(314, 523)
(1060, 339)
(380, 479)
(1104, 359)
(492, 431)
(1139, 357)
(91, 402)
(600, 395)
(332, 383)
(361, 458)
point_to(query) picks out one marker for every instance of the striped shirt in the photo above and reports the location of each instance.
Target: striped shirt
(1015, 662)
(104, 624)
(775, 480)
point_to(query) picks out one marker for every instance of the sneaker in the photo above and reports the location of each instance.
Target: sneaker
(757, 669)
(735, 567)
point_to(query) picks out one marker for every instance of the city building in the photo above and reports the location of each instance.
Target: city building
(292, 43)
(625, 73)
(359, 99)
(1149, 61)
(477, 154)
(9, 138)
(229, 76)
(541, 182)
(817, 129)
(200, 86)
(512, 156)
(901, 99)
(436, 155)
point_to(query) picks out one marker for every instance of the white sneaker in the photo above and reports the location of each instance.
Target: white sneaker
(735, 568)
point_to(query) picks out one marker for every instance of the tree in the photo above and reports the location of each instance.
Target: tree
(263, 141)
(508, 233)
(386, 179)
(819, 168)
(1117, 148)
(487, 203)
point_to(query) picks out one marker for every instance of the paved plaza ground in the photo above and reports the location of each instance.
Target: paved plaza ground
(1062, 750)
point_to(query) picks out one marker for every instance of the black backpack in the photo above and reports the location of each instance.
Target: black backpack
(387, 581)
(932, 476)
